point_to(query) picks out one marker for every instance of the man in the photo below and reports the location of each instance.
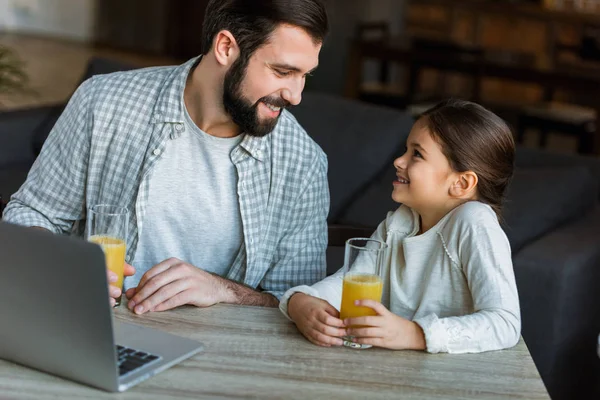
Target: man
(227, 194)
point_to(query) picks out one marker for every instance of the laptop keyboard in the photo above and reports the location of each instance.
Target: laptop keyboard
(130, 359)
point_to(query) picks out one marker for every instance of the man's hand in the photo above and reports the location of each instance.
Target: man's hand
(173, 283)
(386, 329)
(316, 319)
(113, 291)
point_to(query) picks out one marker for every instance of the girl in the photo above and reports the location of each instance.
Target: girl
(449, 284)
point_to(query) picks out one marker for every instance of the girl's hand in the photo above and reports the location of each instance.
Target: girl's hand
(316, 319)
(386, 329)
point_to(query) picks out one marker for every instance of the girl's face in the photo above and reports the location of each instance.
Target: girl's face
(424, 175)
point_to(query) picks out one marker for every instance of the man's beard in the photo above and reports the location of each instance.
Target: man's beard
(242, 112)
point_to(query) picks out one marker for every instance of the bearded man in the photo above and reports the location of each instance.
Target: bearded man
(227, 194)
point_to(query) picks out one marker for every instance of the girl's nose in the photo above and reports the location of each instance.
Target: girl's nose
(400, 162)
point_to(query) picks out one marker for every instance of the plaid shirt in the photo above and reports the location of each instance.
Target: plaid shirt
(114, 130)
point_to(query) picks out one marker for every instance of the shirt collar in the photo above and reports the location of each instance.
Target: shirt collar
(169, 108)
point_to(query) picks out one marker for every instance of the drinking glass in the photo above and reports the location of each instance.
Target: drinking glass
(362, 268)
(107, 227)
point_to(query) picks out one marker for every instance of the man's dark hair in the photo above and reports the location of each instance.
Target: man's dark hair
(251, 22)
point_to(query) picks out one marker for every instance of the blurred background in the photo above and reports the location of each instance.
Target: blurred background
(534, 62)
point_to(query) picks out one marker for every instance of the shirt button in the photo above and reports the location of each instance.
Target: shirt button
(179, 127)
(156, 152)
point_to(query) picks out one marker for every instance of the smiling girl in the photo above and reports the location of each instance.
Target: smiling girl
(449, 284)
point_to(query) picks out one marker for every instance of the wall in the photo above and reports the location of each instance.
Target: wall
(70, 19)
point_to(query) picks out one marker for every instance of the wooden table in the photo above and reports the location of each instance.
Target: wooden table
(476, 62)
(254, 352)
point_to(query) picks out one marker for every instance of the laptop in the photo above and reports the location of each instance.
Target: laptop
(55, 315)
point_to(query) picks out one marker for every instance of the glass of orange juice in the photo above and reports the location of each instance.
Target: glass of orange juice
(362, 280)
(107, 227)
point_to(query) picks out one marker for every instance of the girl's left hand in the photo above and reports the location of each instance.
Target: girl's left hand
(386, 329)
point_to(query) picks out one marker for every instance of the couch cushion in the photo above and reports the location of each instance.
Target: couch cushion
(369, 209)
(11, 178)
(359, 139)
(538, 200)
(541, 199)
(17, 128)
(531, 157)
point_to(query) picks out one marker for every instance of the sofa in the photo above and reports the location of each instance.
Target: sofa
(551, 217)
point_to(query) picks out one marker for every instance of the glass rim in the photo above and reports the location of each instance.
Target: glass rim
(383, 245)
(122, 210)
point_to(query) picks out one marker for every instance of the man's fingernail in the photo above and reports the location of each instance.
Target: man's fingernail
(139, 309)
(131, 304)
(112, 278)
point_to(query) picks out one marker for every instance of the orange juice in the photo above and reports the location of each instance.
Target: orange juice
(114, 252)
(359, 287)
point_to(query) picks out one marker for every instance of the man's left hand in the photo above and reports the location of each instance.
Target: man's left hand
(385, 329)
(173, 283)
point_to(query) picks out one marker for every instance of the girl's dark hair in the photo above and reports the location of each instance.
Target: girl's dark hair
(252, 22)
(475, 139)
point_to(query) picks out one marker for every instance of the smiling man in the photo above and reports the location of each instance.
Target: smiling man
(227, 194)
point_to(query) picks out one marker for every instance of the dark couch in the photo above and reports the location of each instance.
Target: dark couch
(552, 219)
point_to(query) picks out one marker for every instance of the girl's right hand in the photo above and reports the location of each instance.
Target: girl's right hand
(316, 319)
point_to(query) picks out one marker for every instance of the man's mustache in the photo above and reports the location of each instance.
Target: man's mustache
(274, 101)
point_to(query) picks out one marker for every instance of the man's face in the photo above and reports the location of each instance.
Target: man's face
(255, 94)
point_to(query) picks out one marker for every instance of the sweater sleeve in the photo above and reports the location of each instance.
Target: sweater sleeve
(330, 288)
(485, 257)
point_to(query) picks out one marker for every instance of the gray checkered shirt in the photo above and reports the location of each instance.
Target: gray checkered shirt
(114, 130)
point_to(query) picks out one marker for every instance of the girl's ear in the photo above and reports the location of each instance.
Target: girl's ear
(465, 185)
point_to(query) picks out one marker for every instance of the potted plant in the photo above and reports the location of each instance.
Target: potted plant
(13, 78)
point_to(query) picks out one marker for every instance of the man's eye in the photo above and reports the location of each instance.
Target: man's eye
(283, 73)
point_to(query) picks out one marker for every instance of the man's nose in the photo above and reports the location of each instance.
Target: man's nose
(293, 93)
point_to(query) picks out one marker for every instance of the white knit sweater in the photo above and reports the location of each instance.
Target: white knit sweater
(456, 280)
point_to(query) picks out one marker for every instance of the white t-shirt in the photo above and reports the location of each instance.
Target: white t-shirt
(193, 208)
(456, 280)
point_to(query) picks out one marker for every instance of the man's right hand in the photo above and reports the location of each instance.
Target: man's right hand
(316, 319)
(113, 291)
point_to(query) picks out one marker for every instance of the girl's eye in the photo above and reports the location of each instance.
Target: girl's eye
(417, 153)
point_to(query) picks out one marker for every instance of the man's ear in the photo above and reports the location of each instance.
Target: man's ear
(465, 185)
(225, 48)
